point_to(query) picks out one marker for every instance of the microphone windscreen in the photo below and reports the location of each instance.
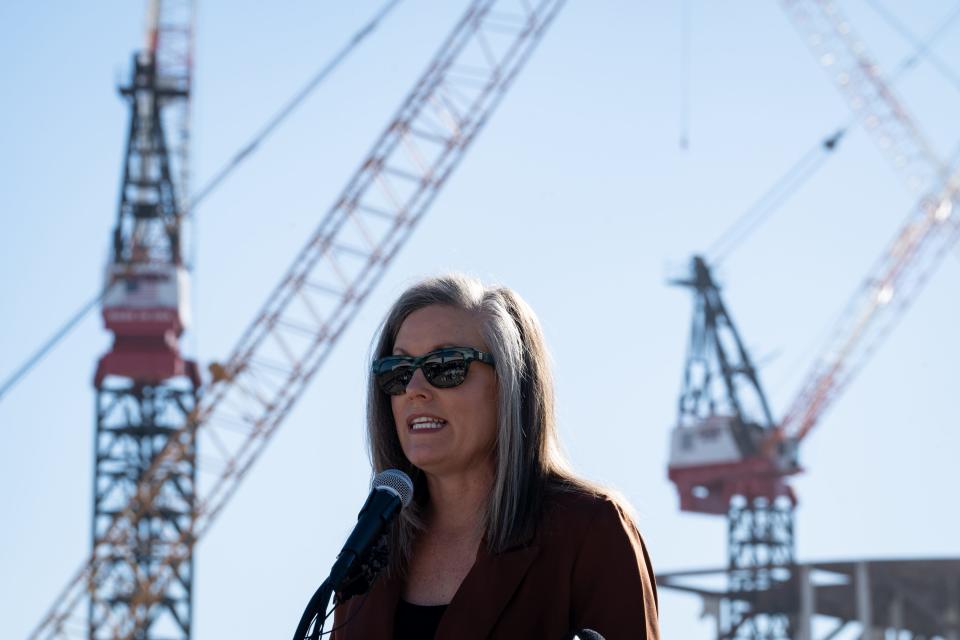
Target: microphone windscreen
(395, 481)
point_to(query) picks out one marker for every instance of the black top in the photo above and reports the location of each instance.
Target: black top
(416, 622)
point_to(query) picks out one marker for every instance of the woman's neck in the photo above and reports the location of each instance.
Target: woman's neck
(458, 502)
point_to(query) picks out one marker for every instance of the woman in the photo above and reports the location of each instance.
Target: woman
(501, 539)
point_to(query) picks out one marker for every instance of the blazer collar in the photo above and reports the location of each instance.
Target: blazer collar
(485, 592)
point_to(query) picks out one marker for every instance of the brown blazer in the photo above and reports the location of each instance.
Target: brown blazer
(586, 567)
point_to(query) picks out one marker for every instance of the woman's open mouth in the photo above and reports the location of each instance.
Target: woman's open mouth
(427, 423)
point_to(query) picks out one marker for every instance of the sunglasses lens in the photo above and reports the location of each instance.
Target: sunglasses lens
(447, 369)
(394, 380)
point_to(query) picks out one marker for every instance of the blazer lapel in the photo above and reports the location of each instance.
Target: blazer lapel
(380, 603)
(485, 592)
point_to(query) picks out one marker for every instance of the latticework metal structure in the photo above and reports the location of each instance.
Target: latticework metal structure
(761, 551)
(917, 599)
(134, 423)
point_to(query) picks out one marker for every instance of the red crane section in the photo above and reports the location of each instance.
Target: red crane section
(146, 295)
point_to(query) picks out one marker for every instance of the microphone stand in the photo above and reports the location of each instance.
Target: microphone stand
(321, 597)
(316, 608)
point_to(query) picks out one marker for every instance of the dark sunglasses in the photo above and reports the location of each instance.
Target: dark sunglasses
(443, 368)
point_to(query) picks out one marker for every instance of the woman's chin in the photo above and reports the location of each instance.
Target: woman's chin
(426, 461)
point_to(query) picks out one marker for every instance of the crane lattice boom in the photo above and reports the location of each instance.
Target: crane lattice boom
(169, 39)
(931, 227)
(889, 289)
(833, 43)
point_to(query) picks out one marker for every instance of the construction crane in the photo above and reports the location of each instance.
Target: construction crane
(145, 388)
(252, 391)
(728, 456)
(720, 463)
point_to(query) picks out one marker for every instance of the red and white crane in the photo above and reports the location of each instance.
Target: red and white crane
(728, 454)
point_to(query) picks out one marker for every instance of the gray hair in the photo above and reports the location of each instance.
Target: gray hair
(528, 455)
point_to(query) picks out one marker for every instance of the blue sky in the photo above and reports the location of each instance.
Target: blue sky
(577, 194)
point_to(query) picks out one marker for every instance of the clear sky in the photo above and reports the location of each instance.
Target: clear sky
(577, 194)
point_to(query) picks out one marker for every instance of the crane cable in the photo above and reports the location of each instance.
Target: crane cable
(209, 187)
(808, 164)
(801, 171)
(293, 103)
(922, 49)
(684, 137)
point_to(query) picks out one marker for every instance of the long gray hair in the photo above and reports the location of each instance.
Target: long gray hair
(528, 455)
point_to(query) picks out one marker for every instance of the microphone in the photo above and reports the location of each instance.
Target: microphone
(586, 634)
(391, 490)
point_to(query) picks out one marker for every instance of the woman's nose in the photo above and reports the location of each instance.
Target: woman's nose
(418, 383)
